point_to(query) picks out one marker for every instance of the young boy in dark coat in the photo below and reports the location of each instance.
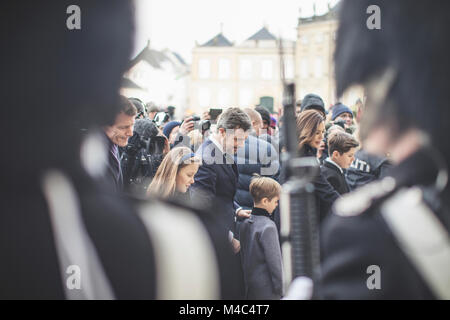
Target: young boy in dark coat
(342, 147)
(260, 248)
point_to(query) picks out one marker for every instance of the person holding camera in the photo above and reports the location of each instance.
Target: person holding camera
(180, 135)
(142, 156)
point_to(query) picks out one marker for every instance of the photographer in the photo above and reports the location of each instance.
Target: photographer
(179, 135)
(142, 156)
(140, 107)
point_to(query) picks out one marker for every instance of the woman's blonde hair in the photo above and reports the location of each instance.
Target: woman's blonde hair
(164, 183)
(307, 123)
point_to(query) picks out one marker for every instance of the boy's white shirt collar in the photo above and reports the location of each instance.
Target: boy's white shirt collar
(335, 164)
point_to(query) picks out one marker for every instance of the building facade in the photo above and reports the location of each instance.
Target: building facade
(314, 66)
(248, 74)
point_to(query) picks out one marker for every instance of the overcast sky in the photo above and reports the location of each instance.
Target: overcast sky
(178, 24)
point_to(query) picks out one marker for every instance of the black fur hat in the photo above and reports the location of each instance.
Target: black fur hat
(412, 45)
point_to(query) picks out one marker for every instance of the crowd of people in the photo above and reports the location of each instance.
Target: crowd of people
(148, 206)
(227, 163)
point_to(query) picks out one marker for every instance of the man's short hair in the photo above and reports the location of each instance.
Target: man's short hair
(341, 142)
(264, 187)
(234, 118)
(253, 114)
(151, 107)
(265, 114)
(127, 107)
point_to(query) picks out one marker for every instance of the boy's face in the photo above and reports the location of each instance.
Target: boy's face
(344, 160)
(270, 205)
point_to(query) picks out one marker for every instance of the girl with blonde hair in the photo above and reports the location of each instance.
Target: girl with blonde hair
(175, 174)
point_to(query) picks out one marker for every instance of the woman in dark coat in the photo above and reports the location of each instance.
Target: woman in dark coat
(311, 129)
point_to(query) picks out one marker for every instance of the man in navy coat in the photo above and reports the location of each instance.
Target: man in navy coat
(216, 180)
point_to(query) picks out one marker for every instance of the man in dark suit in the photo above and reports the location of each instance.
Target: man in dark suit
(342, 148)
(117, 136)
(217, 178)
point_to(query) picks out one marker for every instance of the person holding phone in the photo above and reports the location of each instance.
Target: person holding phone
(178, 132)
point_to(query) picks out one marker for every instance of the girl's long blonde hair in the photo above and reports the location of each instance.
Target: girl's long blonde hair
(164, 183)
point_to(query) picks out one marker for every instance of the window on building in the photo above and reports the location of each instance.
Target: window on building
(224, 68)
(267, 70)
(289, 68)
(245, 69)
(204, 68)
(304, 40)
(224, 99)
(245, 97)
(204, 97)
(318, 67)
(319, 38)
(304, 68)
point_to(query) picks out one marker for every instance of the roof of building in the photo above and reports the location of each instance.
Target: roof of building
(332, 14)
(180, 58)
(156, 58)
(153, 57)
(262, 34)
(127, 83)
(218, 41)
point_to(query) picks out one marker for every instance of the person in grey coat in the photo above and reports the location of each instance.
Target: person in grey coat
(260, 248)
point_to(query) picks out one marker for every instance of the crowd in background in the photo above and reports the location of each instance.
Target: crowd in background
(169, 159)
(106, 197)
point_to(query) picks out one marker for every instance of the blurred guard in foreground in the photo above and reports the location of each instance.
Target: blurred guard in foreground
(390, 239)
(63, 236)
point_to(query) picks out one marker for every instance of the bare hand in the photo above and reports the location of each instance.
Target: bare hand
(187, 126)
(236, 245)
(244, 213)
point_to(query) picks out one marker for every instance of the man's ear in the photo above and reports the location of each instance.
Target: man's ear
(222, 131)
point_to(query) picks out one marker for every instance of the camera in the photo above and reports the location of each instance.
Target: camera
(161, 118)
(201, 125)
(214, 113)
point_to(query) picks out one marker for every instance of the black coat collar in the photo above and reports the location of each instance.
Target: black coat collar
(261, 212)
(333, 166)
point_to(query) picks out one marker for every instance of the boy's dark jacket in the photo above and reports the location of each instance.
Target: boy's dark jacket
(335, 176)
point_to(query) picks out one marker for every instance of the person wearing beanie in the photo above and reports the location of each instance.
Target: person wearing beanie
(313, 101)
(169, 127)
(342, 112)
(273, 122)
